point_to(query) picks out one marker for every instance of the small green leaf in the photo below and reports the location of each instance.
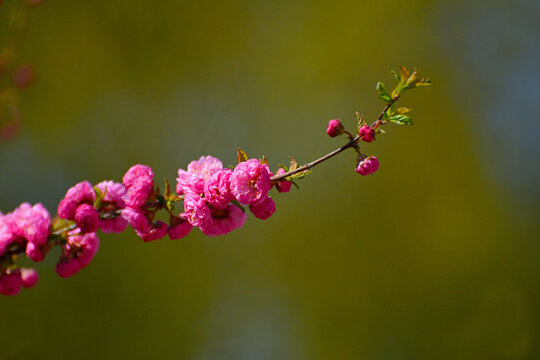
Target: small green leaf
(401, 119)
(298, 175)
(294, 164)
(404, 74)
(383, 93)
(241, 155)
(361, 120)
(403, 110)
(396, 75)
(167, 188)
(99, 197)
(264, 161)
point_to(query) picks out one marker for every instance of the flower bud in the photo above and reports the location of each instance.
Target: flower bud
(366, 133)
(29, 277)
(283, 186)
(334, 128)
(87, 218)
(367, 166)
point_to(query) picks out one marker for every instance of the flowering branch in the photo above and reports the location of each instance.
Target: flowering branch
(214, 199)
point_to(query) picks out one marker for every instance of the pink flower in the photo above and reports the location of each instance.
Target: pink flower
(30, 222)
(283, 186)
(142, 226)
(87, 218)
(367, 166)
(217, 189)
(334, 128)
(82, 192)
(29, 277)
(77, 253)
(6, 235)
(197, 173)
(156, 232)
(179, 228)
(138, 192)
(223, 221)
(250, 182)
(264, 210)
(112, 201)
(136, 172)
(366, 133)
(67, 267)
(196, 210)
(137, 219)
(114, 193)
(10, 284)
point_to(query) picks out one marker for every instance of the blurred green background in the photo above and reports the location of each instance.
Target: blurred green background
(434, 257)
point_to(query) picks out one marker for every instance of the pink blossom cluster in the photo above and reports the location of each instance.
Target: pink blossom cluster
(27, 227)
(80, 206)
(214, 196)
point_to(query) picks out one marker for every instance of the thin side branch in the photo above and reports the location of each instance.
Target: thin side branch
(348, 145)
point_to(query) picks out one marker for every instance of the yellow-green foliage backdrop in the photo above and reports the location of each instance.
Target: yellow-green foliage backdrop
(433, 257)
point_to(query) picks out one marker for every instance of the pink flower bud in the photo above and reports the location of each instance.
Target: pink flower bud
(264, 210)
(29, 277)
(334, 128)
(283, 186)
(367, 166)
(34, 252)
(136, 172)
(366, 133)
(10, 284)
(87, 218)
(66, 209)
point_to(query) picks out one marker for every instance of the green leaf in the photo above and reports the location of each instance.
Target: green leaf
(383, 93)
(241, 154)
(264, 161)
(167, 188)
(403, 110)
(401, 119)
(396, 75)
(298, 175)
(99, 197)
